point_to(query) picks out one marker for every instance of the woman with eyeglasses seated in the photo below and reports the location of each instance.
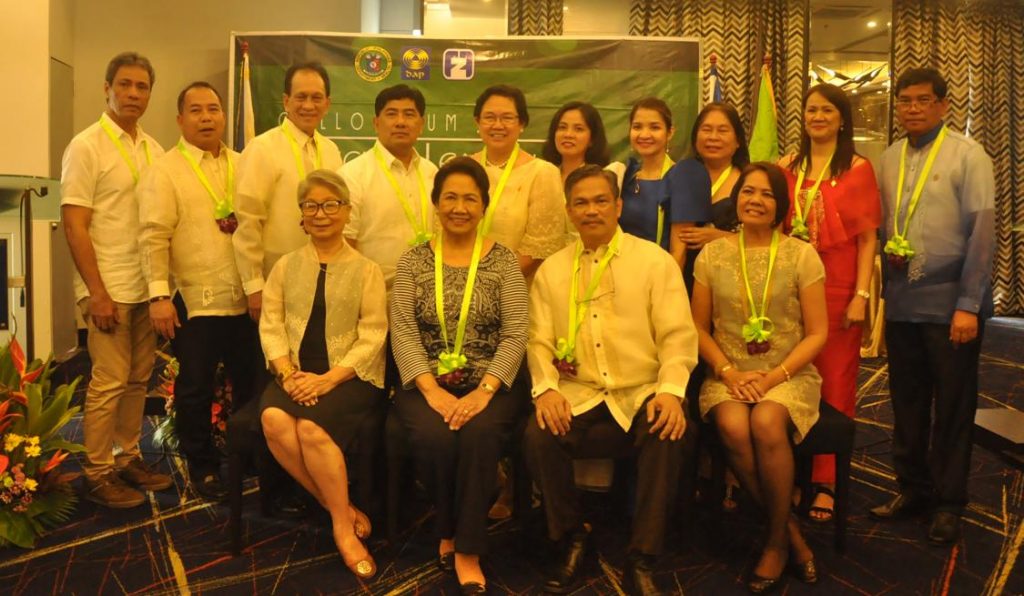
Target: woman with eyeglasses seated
(527, 211)
(458, 332)
(323, 328)
(759, 307)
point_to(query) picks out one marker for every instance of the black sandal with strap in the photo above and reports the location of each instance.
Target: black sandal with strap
(827, 512)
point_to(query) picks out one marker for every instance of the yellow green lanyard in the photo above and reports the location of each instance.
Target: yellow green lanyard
(665, 167)
(453, 359)
(421, 228)
(799, 221)
(300, 164)
(758, 327)
(565, 350)
(721, 180)
(485, 226)
(124, 152)
(898, 245)
(222, 206)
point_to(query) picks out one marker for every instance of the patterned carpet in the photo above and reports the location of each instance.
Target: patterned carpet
(176, 544)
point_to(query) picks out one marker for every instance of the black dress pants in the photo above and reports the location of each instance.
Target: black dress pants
(460, 468)
(596, 434)
(200, 344)
(926, 370)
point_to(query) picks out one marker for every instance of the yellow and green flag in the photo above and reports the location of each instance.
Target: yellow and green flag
(764, 140)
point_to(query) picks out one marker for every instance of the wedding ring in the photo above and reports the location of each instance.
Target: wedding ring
(465, 411)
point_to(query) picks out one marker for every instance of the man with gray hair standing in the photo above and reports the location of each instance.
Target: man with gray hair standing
(101, 169)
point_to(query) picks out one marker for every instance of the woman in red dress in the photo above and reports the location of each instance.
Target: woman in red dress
(837, 208)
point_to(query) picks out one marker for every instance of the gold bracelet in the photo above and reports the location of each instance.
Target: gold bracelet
(723, 369)
(864, 294)
(285, 373)
(785, 371)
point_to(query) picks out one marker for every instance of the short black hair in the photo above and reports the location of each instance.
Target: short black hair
(776, 180)
(597, 152)
(513, 93)
(462, 165)
(396, 92)
(742, 155)
(129, 59)
(196, 85)
(315, 67)
(918, 76)
(591, 171)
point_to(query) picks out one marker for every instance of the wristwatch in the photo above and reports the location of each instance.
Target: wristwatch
(158, 299)
(488, 388)
(864, 294)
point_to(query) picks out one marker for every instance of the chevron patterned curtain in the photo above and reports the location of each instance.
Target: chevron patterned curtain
(740, 33)
(535, 17)
(979, 48)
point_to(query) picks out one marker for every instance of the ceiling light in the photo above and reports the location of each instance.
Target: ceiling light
(872, 24)
(437, 5)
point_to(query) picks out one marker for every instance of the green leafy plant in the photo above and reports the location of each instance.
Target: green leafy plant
(35, 495)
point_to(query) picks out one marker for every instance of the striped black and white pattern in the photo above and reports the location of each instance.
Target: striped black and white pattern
(979, 48)
(535, 17)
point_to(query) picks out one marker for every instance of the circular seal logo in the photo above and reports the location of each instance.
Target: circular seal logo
(415, 58)
(373, 64)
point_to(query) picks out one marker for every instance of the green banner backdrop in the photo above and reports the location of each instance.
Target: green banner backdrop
(610, 73)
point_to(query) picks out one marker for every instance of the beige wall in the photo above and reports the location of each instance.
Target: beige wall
(24, 45)
(186, 40)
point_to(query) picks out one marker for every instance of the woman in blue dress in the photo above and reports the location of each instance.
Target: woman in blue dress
(645, 195)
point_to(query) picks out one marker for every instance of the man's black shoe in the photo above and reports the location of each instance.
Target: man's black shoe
(945, 528)
(902, 506)
(208, 486)
(638, 576)
(565, 576)
(289, 506)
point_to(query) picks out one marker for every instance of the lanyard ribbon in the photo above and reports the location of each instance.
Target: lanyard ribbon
(665, 167)
(420, 228)
(222, 206)
(799, 221)
(300, 164)
(898, 245)
(128, 160)
(453, 359)
(485, 226)
(565, 348)
(721, 180)
(758, 327)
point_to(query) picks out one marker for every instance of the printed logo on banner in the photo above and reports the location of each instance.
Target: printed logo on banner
(415, 64)
(459, 64)
(373, 64)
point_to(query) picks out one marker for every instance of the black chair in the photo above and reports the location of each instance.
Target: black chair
(247, 446)
(832, 434)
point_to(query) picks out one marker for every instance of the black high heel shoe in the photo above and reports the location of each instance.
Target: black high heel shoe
(763, 585)
(806, 572)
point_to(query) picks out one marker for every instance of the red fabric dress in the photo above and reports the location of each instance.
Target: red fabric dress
(844, 208)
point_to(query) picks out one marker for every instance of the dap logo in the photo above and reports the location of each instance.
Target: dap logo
(459, 64)
(373, 64)
(415, 64)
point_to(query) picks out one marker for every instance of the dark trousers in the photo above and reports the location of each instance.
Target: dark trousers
(460, 468)
(200, 344)
(927, 370)
(595, 434)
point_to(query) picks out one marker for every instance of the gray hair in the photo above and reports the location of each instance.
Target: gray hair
(129, 59)
(326, 178)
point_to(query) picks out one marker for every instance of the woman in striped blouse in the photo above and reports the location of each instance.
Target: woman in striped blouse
(459, 399)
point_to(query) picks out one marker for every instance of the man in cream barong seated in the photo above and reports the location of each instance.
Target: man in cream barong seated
(611, 347)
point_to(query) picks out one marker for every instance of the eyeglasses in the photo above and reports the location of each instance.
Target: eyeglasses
(506, 119)
(925, 102)
(316, 98)
(331, 207)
